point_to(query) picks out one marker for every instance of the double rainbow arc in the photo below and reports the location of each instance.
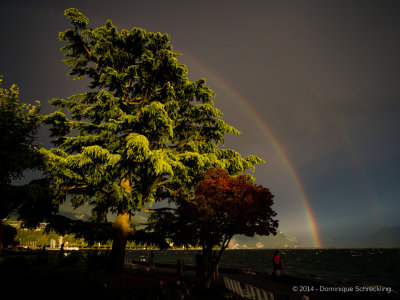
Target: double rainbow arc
(312, 223)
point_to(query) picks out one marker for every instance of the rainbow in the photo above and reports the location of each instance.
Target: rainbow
(312, 223)
(368, 195)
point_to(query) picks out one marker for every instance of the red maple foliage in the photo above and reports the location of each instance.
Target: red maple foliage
(223, 206)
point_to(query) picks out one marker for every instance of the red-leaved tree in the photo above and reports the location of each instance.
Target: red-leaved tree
(223, 206)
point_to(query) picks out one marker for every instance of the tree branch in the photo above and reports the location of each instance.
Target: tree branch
(142, 104)
(87, 50)
(74, 187)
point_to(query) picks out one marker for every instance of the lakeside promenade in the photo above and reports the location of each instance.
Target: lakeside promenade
(27, 276)
(288, 286)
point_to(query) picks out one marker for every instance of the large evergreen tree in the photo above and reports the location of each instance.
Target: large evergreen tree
(141, 132)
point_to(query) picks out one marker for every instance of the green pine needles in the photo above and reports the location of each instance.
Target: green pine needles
(142, 131)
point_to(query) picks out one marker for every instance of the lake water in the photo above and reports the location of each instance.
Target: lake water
(370, 266)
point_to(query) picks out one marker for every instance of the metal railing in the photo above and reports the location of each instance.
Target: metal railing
(244, 290)
(247, 291)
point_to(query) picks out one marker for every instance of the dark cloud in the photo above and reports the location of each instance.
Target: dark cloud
(323, 77)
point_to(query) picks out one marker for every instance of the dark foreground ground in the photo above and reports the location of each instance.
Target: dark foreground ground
(31, 276)
(291, 287)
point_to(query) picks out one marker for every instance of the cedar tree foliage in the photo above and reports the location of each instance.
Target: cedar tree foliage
(141, 132)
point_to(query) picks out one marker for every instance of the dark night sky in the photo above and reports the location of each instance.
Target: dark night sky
(323, 76)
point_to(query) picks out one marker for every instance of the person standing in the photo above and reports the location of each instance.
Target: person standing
(61, 254)
(276, 263)
(199, 263)
(151, 261)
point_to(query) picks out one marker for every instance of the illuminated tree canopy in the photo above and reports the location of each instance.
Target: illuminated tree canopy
(141, 132)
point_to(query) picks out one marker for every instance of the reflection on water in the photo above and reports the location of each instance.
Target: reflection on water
(367, 266)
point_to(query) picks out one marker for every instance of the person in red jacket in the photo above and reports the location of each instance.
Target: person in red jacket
(276, 263)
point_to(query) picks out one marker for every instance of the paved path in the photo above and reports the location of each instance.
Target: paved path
(290, 286)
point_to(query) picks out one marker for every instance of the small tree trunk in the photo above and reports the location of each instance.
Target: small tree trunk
(208, 269)
(1, 235)
(207, 281)
(121, 229)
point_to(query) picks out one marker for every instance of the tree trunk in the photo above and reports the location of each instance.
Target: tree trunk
(1, 236)
(121, 229)
(207, 272)
(208, 269)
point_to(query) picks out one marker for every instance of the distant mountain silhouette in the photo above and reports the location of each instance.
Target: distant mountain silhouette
(385, 237)
(75, 216)
(263, 242)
